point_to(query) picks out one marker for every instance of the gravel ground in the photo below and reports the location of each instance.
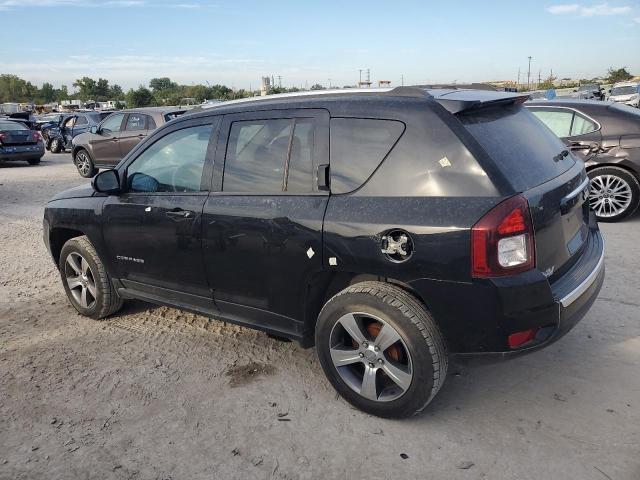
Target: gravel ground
(155, 393)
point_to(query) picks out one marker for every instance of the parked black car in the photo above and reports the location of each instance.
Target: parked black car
(427, 223)
(18, 142)
(59, 136)
(607, 137)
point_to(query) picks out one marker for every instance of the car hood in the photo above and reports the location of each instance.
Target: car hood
(623, 98)
(81, 191)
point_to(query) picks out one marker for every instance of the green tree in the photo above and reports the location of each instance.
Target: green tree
(162, 84)
(547, 83)
(47, 93)
(618, 75)
(115, 92)
(101, 90)
(317, 86)
(86, 87)
(142, 97)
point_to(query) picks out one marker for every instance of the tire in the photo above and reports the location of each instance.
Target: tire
(34, 161)
(78, 258)
(614, 193)
(55, 146)
(84, 164)
(419, 353)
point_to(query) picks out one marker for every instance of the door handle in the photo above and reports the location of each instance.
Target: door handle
(179, 214)
(114, 139)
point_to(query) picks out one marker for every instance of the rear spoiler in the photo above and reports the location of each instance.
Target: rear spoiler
(458, 101)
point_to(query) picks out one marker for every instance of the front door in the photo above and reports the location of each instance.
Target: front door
(153, 229)
(262, 236)
(135, 129)
(104, 143)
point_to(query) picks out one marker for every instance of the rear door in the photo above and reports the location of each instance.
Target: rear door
(532, 161)
(262, 222)
(105, 143)
(135, 129)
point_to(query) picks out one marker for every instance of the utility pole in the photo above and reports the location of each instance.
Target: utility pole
(529, 75)
(402, 80)
(518, 82)
(329, 84)
(280, 81)
(360, 78)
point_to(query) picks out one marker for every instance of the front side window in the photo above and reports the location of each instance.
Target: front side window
(112, 123)
(135, 122)
(174, 163)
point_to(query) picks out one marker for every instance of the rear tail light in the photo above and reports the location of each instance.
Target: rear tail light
(502, 240)
(37, 137)
(2, 137)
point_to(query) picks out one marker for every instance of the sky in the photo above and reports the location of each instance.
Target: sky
(237, 42)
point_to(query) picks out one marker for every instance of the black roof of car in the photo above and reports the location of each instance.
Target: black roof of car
(455, 100)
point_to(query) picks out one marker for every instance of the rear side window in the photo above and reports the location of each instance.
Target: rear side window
(81, 120)
(270, 156)
(135, 121)
(358, 146)
(519, 144)
(564, 122)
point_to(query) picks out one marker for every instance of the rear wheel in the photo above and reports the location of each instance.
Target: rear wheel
(55, 146)
(86, 281)
(381, 350)
(33, 161)
(614, 193)
(84, 164)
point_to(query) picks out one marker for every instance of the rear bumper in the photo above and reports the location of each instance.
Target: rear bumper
(10, 153)
(478, 318)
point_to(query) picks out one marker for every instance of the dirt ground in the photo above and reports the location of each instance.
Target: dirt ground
(155, 393)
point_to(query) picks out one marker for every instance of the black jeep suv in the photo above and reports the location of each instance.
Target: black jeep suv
(389, 228)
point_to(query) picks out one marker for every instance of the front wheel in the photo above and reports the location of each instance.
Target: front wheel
(614, 193)
(86, 281)
(84, 164)
(381, 349)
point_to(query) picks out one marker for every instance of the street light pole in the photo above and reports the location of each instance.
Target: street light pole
(529, 75)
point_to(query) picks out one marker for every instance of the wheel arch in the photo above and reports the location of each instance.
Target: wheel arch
(622, 166)
(325, 285)
(58, 236)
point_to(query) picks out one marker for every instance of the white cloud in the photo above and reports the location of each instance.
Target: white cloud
(560, 9)
(637, 20)
(598, 10)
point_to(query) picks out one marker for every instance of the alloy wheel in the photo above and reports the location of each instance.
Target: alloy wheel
(83, 163)
(371, 357)
(610, 195)
(80, 279)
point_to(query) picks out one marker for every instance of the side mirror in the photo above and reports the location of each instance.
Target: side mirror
(94, 129)
(107, 181)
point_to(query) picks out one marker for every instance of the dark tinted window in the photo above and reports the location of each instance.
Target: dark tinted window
(300, 173)
(174, 163)
(135, 122)
(519, 144)
(256, 154)
(81, 120)
(358, 146)
(151, 124)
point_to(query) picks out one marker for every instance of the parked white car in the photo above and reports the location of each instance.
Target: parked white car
(626, 92)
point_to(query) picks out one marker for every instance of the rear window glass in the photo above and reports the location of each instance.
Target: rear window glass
(522, 147)
(12, 126)
(358, 146)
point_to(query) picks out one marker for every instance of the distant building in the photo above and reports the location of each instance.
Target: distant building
(265, 86)
(384, 83)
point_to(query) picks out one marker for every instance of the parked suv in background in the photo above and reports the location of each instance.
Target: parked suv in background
(107, 143)
(626, 92)
(606, 136)
(429, 222)
(591, 91)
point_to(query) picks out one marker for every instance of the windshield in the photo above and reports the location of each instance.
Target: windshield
(628, 90)
(521, 146)
(12, 126)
